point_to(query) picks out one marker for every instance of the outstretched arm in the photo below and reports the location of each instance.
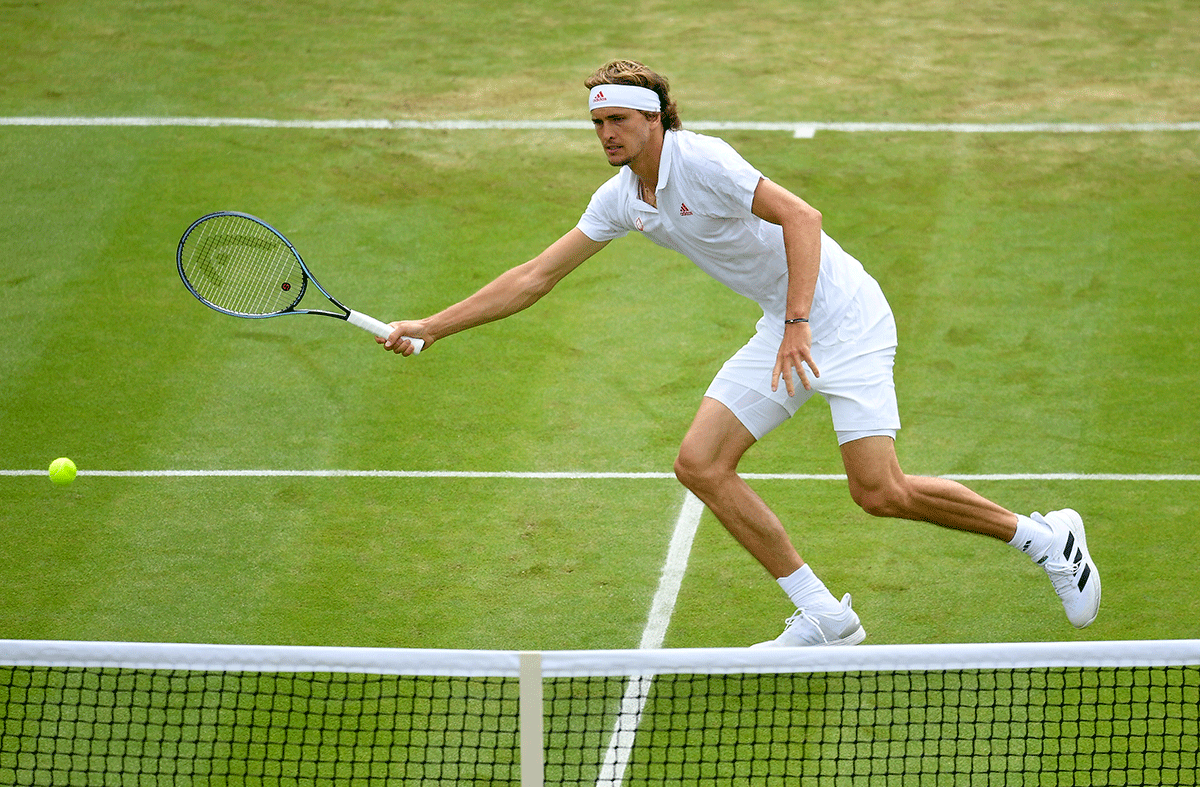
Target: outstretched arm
(509, 293)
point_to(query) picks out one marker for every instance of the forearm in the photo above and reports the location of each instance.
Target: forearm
(509, 293)
(515, 289)
(802, 243)
(801, 224)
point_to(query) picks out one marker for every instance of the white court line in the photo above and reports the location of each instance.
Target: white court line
(620, 743)
(583, 475)
(671, 579)
(799, 130)
(624, 734)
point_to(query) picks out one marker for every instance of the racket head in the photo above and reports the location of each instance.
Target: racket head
(238, 264)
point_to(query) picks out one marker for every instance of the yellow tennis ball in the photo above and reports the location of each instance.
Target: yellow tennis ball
(62, 471)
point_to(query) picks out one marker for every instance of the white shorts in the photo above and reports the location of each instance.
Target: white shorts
(856, 380)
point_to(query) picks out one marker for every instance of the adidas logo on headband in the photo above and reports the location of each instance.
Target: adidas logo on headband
(629, 96)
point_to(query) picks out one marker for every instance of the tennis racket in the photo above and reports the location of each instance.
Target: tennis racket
(240, 265)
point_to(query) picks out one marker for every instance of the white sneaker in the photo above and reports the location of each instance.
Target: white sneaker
(1070, 567)
(819, 628)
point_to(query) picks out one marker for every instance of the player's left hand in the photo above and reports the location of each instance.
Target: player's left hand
(796, 348)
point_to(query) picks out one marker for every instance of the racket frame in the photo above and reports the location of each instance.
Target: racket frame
(364, 321)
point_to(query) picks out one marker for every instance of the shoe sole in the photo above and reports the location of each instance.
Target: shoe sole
(1076, 526)
(853, 639)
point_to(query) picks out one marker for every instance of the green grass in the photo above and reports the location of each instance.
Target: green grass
(1043, 286)
(1062, 60)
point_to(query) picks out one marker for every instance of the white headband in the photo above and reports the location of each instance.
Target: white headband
(630, 96)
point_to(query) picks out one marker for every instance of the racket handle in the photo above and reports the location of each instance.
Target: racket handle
(380, 329)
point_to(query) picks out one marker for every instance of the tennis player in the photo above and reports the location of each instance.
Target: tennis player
(826, 328)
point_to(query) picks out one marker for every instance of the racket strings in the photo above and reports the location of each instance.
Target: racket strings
(240, 266)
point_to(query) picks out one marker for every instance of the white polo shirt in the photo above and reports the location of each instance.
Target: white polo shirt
(704, 196)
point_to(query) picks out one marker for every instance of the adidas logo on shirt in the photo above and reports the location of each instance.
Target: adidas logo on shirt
(683, 210)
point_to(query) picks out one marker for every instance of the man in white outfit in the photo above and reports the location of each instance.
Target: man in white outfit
(826, 328)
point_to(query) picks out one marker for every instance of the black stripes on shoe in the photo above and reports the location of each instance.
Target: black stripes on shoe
(1087, 570)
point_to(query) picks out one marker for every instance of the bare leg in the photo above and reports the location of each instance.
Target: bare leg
(882, 489)
(707, 465)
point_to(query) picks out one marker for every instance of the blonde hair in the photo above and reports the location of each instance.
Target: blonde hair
(631, 72)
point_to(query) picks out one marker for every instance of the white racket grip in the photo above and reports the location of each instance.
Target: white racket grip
(380, 329)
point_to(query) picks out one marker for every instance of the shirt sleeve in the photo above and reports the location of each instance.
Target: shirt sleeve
(728, 180)
(602, 220)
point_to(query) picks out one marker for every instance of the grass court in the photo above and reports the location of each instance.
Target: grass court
(1044, 286)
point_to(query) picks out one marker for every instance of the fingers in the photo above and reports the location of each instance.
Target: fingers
(402, 347)
(789, 379)
(795, 352)
(803, 381)
(400, 341)
(789, 371)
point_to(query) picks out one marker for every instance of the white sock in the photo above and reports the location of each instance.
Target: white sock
(1033, 537)
(808, 592)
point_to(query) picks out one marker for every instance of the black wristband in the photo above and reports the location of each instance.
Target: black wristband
(795, 320)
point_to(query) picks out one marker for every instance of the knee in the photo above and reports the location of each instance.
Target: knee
(688, 470)
(694, 471)
(885, 499)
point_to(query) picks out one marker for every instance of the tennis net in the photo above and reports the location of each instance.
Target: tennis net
(1093, 713)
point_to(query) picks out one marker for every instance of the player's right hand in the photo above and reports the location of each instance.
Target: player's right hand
(398, 342)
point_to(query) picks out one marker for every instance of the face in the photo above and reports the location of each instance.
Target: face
(624, 133)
